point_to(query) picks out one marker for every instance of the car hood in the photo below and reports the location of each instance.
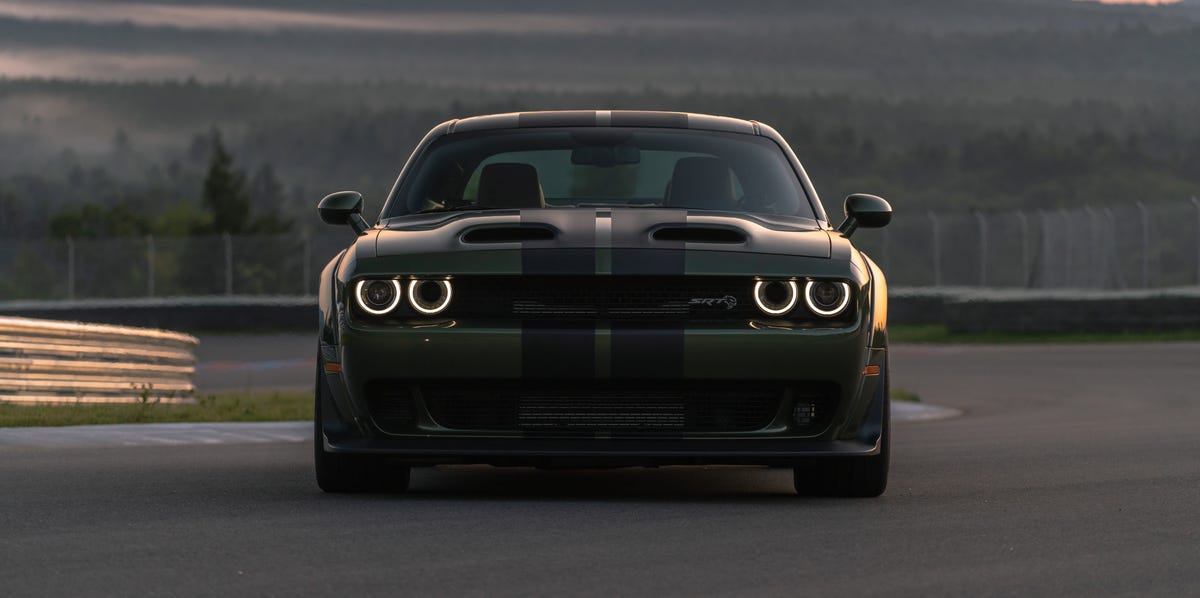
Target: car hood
(601, 228)
(597, 241)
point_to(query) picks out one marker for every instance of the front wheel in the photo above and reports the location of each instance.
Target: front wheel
(861, 477)
(340, 473)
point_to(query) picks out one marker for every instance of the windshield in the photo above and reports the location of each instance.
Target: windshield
(602, 167)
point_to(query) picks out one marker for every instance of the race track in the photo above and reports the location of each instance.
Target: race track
(1073, 470)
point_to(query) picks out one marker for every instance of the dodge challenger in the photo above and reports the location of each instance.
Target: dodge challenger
(603, 289)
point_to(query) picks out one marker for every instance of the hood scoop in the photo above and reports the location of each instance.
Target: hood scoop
(484, 235)
(700, 234)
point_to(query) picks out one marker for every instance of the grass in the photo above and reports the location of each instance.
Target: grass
(231, 407)
(937, 333)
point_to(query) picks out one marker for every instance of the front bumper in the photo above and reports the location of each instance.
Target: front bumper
(590, 354)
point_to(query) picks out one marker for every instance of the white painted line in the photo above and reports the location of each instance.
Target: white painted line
(905, 411)
(261, 432)
(157, 434)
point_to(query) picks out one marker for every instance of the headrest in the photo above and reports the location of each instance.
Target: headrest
(701, 182)
(510, 185)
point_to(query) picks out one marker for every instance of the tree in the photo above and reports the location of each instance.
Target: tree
(225, 194)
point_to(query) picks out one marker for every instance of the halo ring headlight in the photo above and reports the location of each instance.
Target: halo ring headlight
(775, 308)
(383, 304)
(826, 308)
(420, 303)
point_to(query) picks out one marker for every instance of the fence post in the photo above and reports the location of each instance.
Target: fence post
(228, 264)
(70, 269)
(306, 255)
(937, 249)
(1111, 233)
(1044, 262)
(886, 249)
(1094, 278)
(1196, 204)
(1068, 275)
(1024, 248)
(983, 247)
(149, 265)
(1145, 244)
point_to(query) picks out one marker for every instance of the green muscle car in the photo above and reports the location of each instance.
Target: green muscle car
(603, 288)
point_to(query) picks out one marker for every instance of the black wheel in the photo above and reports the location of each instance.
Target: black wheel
(351, 473)
(862, 477)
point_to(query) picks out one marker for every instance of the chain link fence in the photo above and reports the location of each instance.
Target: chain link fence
(1128, 247)
(79, 269)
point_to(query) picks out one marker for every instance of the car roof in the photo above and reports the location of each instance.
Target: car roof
(603, 118)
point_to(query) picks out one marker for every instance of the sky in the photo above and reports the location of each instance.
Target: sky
(154, 39)
(232, 17)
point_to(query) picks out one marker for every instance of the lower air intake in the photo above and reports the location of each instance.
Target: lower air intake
(597, 408)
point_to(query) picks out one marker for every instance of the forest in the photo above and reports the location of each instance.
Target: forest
(1005, 104)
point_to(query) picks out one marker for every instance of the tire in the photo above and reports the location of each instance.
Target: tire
(852, 477)
(340, 473)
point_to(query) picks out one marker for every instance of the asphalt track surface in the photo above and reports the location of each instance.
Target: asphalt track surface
(1073, 470)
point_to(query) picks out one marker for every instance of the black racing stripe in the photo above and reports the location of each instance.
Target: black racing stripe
(573, 250)
(634, 252)
(558, 261)
(558, 349)
(638, 118)
(565, 118)
(650, 262)
(645, 350)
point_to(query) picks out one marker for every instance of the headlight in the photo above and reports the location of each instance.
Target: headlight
(377, 297)
(429, 297)
(775, 297)
(826, 298)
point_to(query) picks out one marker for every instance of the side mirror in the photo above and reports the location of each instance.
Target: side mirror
(867, 211)
(344, 207)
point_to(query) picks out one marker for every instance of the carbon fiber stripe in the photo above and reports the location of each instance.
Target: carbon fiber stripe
(575, 256)
(631, 253)
(559, 349)
(603, 240)
(641, 350)
(637, 118)
(565, 118)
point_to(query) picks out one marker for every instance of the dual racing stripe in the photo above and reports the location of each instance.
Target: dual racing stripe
(602, 242)
(558, 348)
(646, 350)
(602, 118)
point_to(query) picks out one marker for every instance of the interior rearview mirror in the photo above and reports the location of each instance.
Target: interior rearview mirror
(606, 156)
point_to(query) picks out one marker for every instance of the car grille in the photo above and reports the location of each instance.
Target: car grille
(616, 408)
(614, 297)
(391, 405)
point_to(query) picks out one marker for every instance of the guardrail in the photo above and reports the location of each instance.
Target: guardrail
(45, 361)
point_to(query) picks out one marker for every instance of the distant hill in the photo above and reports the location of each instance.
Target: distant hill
(982, 103)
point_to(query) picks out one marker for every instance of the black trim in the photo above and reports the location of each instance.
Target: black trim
(597, 452)
(640, 118)
(564, 118)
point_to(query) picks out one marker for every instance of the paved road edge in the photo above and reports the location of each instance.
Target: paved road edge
(258, 432)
